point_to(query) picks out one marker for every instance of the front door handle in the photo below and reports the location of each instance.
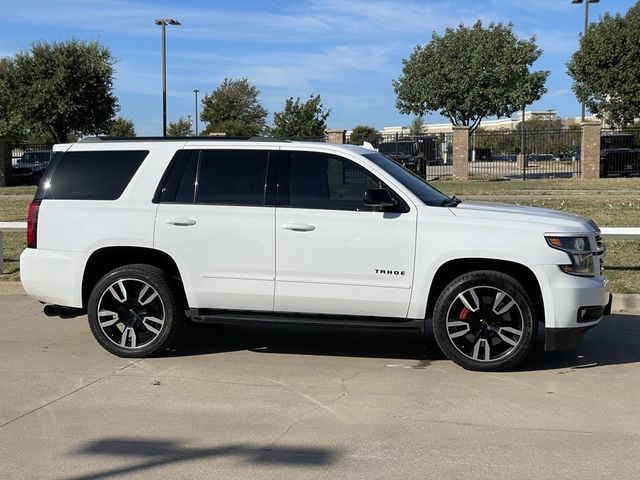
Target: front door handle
(299, 227)
(181, 222)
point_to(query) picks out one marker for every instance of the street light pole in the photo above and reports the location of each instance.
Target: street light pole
(586, 29)
(523, 145)
(195, 92)
(163, 22)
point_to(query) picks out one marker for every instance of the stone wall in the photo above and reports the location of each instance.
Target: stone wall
(336, 136)
(461, 153)
(590, 150)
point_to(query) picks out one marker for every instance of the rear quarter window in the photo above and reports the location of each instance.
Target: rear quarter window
(92, 175)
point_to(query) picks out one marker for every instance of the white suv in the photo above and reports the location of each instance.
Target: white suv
(145, 234)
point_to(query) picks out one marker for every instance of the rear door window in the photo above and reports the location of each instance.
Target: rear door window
(232, 177)
(217, 177)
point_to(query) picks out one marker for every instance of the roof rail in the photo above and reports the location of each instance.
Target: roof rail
(98, 139)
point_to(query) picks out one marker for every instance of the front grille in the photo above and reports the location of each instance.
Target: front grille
(600, 252)
(600, 248)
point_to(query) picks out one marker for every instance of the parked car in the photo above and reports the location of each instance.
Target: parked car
(412, 153)
(30, 167)
(619, 155)
(143, 235)
(404, 152)
(505, 157)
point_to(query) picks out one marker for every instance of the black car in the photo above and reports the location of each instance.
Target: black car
(411, 153)
(619, 155)
(30, 167)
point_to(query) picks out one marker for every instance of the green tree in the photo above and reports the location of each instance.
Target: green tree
(417, 125)
(301, 119)
(234, 109)
(12, 124)
(61, 88)
(181, 128)
(121, 127)
(365, 133)
(606, 68)
(550, 136)
(538, 124)
(498, 141)
(471, 73)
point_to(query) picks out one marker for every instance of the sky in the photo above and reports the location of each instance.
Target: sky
(346, 51)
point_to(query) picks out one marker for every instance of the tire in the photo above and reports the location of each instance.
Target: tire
(134, 312)
(483, 320)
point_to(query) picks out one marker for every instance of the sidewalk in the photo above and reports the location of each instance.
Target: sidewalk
(243, 403)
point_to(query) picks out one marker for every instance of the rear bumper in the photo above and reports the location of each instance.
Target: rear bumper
(53, 276)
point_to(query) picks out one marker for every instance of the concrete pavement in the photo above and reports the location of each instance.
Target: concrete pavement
(297, 403)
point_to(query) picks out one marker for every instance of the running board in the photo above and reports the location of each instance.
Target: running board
(229, 317)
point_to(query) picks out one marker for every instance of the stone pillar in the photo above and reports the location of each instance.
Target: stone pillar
(590, 150)
(460, 153)
(336, 136)
(5, 162)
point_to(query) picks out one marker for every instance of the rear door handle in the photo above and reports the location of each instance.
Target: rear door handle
(181, 222)
(299, 227)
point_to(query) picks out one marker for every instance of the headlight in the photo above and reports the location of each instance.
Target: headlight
(579, 252)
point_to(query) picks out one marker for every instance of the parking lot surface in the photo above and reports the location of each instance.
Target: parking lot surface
(297, 403)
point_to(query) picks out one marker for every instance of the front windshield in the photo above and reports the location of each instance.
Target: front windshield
(417, 185)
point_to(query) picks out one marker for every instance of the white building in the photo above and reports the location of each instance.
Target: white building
(499, 124)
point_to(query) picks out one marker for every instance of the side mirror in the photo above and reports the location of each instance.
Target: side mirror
(379, 197)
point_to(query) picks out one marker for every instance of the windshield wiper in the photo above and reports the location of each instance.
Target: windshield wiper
(451, 202)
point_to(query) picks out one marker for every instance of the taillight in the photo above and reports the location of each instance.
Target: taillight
(32, 224)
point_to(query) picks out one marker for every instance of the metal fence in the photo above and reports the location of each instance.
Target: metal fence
(546, 154)
(28, 162)
(620, 152)
(429, 156)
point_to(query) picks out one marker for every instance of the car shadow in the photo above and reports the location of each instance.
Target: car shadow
(614, 341)
(306, 340)
(151, 454)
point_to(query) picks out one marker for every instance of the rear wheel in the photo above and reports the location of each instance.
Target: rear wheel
(483, 320)
(133, 311)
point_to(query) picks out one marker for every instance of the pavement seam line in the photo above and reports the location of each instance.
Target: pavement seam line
(68, 394)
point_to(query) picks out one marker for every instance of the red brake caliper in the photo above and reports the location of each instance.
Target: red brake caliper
(464, 313)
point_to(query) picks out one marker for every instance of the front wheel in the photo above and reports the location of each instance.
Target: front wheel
(133, 312)
(483, 320)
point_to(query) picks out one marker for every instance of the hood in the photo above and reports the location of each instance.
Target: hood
(552, 220)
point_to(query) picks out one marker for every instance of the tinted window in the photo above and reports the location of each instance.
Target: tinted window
(180, 179)
(324, 181)
(232, 177)
(90, 175)
(417, 185)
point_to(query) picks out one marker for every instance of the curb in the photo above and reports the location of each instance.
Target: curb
(626, 303)
(11, 287)
(622, 302)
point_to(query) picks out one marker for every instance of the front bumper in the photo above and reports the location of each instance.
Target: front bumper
(572, 305)
(564, 338)
(568, 338)
(564, 295)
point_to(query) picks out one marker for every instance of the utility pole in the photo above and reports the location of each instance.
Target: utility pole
(163, 22)
(586, 29)
(195, 92)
